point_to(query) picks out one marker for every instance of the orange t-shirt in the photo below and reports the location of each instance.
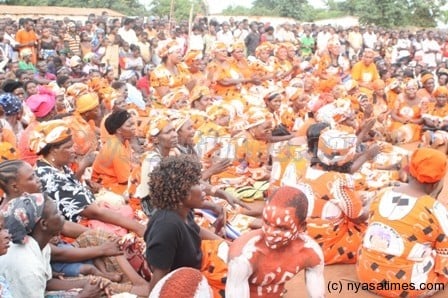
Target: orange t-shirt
(83, 133)
(112, 166)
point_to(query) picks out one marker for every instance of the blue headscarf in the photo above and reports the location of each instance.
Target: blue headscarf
(10, 103)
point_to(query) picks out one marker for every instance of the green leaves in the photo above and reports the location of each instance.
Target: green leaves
(128, 7)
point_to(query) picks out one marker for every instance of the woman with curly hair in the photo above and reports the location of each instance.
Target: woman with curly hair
(173, 239)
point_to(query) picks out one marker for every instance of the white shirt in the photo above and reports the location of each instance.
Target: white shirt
(226, 37)
(135, 96)
(369, 40)
(129, 36)
(27, 269)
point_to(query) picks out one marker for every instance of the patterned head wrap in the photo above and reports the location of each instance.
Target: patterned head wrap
(218, 110)
(8, 152)
(157, 124)
(428, 165)
(169, 48)
(77, 89)
(179, 119)
(192, 56)
(265, 46)
(10, 103)
(336, 147)
(21, 216)
(169, 99)
(49, 132)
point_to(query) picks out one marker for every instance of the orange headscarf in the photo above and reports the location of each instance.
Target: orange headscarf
(426, 77)
(441, 91)
(192, 56)
(428, 165)
(87, 102)
(49, 132)
(7, 151)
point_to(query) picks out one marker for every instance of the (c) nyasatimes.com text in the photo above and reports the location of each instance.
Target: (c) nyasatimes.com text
(355, 287)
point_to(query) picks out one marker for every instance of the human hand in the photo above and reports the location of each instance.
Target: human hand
(233, 201)
(88, 159)
(94, 186)
(220, 166)
(111, 248)
(95, 287)
(221, 219)
(58, 275)
(373, 151)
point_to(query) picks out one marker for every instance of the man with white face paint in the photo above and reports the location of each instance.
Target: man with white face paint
(262, 261)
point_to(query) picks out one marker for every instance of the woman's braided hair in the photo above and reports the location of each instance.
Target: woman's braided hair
(170, 182)
(8, 172)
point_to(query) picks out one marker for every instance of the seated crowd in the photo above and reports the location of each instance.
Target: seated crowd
(132, 154)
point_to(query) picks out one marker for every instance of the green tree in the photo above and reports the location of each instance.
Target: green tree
(297, 9)
(129, 7)
(393, 13)
(181, 9)
(384, 13)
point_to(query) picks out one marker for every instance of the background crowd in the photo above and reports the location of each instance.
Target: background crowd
(114, 130)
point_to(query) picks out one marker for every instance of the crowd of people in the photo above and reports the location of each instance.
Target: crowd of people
(131, 152)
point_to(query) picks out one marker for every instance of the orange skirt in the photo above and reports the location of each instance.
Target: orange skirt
(214, 268)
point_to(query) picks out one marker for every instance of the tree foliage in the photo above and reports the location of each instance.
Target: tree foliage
(394, 13)
(128, 7)
(297, 9)
(181, 8)
(384, 13)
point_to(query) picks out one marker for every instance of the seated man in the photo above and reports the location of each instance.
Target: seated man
(261, 261)
(405, 243)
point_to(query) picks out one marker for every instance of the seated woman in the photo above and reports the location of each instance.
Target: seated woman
(112, 166)
(406, 116)
(171, 74)
(164, 139)
(173, 239)
(17, 178)
(435, 121)
(30, 234)
(406, 241)
(53, 141)
(336, 214)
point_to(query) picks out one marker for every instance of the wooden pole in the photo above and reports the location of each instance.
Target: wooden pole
(171, 15)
